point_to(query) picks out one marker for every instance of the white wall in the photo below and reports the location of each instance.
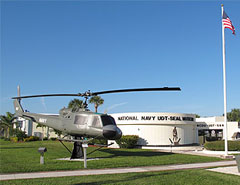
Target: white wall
(157, 128)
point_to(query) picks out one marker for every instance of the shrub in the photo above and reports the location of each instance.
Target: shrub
(31, 138)
(20, 134)
(53, 138)
(128, 141)
(14, 139)
(219, 145)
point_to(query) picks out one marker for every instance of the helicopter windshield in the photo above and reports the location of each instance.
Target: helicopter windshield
(107, 120)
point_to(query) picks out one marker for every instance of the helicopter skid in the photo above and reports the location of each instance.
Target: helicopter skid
(75, 140)
(69, 159)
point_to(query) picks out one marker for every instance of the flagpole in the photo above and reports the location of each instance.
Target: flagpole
(224, 87)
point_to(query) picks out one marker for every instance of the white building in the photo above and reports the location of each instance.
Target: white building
(25, 125)
(214, 127)
(157, 129)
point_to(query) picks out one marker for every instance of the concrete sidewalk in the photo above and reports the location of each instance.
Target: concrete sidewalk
(114, 170)
(199, 151)
(228, 170)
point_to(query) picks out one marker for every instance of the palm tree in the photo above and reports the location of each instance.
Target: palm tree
(97, 101)
(7, 123)
(75, 104)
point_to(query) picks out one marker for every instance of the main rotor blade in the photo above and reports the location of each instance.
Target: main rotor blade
(137, 90)
(46, 95)
(88, 93)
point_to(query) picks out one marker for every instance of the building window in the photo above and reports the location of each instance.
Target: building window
(20, 124)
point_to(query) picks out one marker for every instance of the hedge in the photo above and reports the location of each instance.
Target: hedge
(128, 141)
(219, 145)
(31, 138)
(14, 139)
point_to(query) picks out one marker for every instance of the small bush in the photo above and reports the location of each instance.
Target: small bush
(219, 145)
(31, 138)
(14, 139)
(128, 141)
(20, 134)
(53, 138)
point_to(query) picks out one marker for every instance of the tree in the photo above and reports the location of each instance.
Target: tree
(197, 116)
(97, 101)
(234, 115)
(75, 104)
(7, 123)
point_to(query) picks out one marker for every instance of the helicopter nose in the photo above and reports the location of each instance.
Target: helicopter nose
(112, 132)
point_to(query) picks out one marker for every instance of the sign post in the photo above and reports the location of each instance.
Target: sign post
(85, 145)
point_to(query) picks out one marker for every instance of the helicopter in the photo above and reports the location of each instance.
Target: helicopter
(79, 123)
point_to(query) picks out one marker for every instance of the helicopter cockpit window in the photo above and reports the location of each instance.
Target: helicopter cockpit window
(80, 120)
(108, 120)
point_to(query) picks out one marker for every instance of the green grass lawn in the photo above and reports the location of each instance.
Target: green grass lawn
(184, 177)
(24, 157)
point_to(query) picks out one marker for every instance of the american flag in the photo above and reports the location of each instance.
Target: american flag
(227, 23)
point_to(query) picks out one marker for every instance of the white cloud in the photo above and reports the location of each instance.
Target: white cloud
(115, 105)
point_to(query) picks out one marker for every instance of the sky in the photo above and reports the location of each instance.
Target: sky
(75, 46)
